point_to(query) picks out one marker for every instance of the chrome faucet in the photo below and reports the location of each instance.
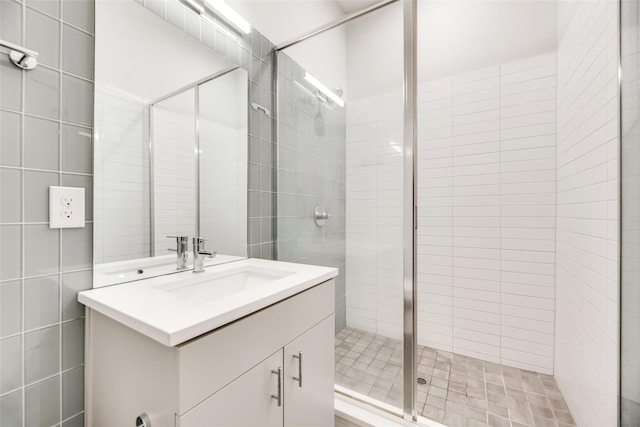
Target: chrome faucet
(182, 250)
(199, 253)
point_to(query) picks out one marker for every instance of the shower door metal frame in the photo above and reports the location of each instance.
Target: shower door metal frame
(409, 147)
(410, 207)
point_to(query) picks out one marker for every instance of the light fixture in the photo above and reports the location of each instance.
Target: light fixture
(233, 17)
(194, 6)
(322, 88)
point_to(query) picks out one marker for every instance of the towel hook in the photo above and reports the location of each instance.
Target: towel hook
(21, 57)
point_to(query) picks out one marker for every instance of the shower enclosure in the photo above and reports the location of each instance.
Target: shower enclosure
(467, 193)
(340, 152)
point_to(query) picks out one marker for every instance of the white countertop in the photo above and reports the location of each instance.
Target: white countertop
(175, 308)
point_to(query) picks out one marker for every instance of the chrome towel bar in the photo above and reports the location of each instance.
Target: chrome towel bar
(21, 57)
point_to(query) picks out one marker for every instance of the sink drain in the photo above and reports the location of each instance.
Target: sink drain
(140, 271)
(421, 381)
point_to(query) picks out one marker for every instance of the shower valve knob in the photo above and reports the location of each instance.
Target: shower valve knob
(320, 215)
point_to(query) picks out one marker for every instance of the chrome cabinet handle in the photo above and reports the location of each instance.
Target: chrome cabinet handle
(278, 397)
(299, 378)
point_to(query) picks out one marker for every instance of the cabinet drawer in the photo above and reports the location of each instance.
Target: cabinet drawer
(207, 364)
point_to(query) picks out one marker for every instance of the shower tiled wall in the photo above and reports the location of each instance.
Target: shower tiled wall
(254, 53)
(587, 301)
(311, 172)
(486, 206)
(45, 139)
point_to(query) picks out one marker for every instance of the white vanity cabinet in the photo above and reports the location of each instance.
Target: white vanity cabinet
(227, 377)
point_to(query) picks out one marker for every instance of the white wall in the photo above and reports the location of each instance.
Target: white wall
(121, 187)
(174, 170)
(586, 353)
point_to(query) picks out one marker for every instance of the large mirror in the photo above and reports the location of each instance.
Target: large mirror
(171, 144)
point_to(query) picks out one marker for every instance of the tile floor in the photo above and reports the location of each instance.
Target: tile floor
(459, 390)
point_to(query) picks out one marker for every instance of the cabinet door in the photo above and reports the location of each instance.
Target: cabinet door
(310, 358)
(247, 401)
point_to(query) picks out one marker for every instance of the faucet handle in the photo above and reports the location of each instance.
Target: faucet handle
(198, 244)
(180, 240)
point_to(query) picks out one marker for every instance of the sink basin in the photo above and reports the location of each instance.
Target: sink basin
(234, 281)
(176, 308)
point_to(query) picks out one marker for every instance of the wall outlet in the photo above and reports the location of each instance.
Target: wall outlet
(66, 207)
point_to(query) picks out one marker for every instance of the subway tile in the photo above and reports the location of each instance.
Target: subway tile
(11, 22)
(10, 136)
(42, 92)
(11, 189)
(72, 283)
(40, 29)
(77, 149)
(77, 421)
(41, 144)
(10, 252)
(77, 99)
(10, 307)
(42, 403)
(41, 353)
(36, 201)
(79, 14)
(72, 392)
(41, 301)
(77, 52)
(77, 248)
(72, 344)
(42, 240)
(10, 84)
(50, 7)
(11, 409)
(11, 367)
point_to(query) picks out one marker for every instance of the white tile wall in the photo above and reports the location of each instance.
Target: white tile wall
(374, 215)
(174, 170)
(486, 206)
(586, 342)
(121, 199)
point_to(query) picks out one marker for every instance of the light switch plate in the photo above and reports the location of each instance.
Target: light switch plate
(66, 207)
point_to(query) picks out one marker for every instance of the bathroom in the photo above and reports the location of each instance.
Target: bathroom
(462, 172)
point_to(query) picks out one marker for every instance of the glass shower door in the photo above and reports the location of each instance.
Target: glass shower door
(340, 189)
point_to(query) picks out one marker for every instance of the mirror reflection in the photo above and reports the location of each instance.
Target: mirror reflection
(170, 148)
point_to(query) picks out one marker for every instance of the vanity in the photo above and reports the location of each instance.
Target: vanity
(248, 343)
